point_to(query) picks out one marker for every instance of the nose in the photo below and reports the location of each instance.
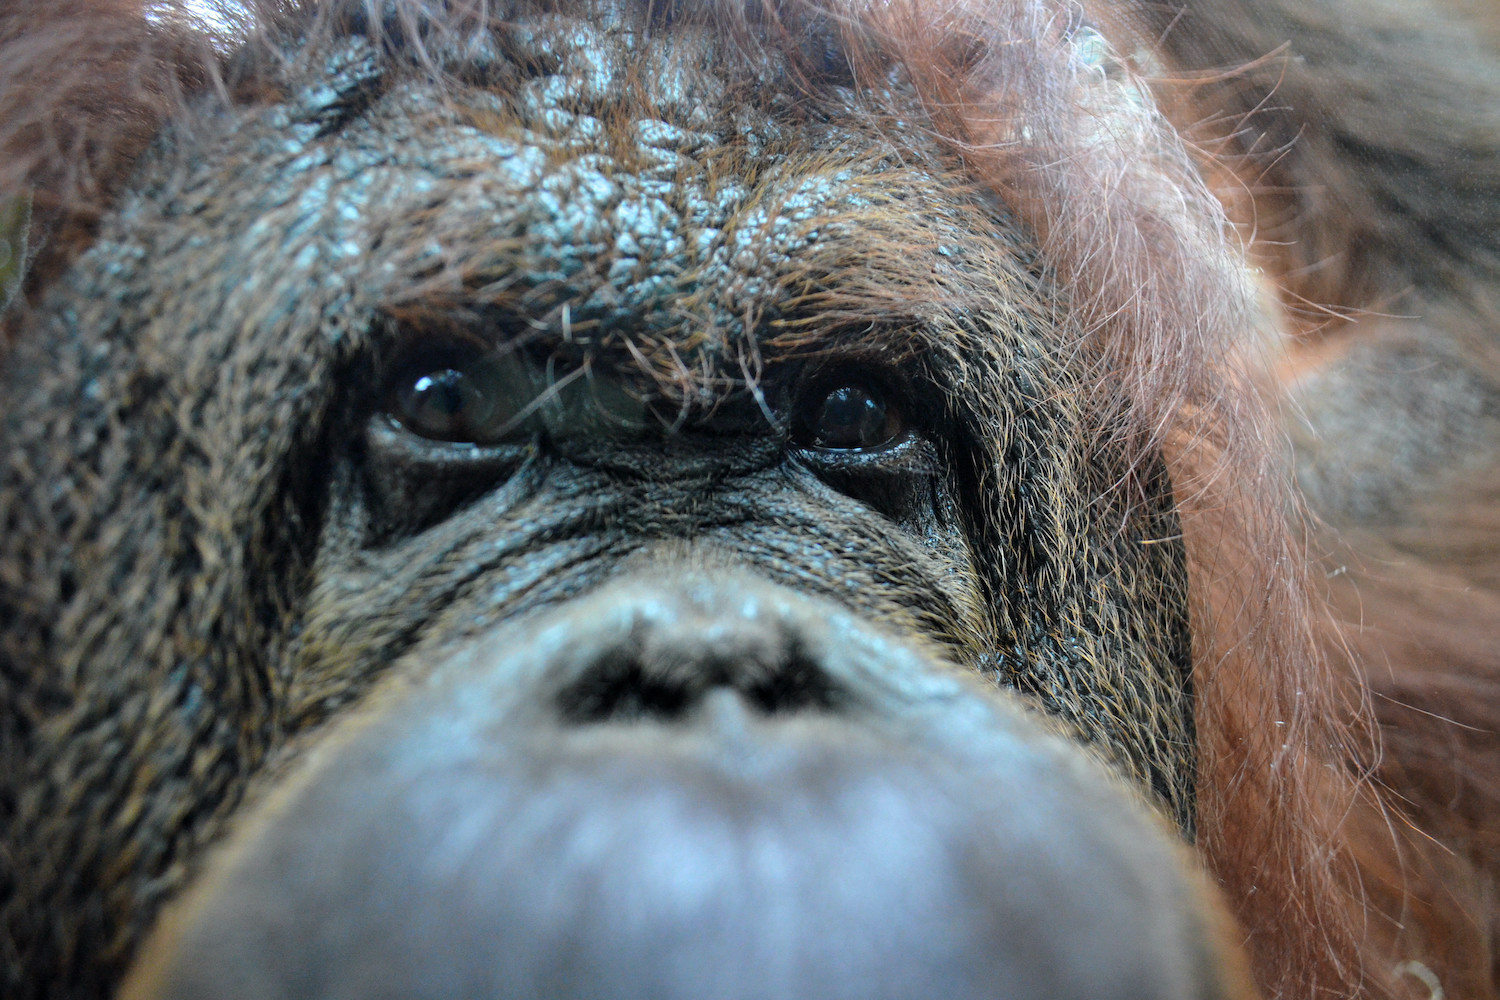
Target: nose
(661, 656)
(647, 652)
(695, 785)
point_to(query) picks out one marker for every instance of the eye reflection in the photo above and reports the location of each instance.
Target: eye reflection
(851, 416)
(484, 395)
(446, 405)
(461, 393)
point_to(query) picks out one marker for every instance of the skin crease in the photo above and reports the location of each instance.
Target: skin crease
(613, 500)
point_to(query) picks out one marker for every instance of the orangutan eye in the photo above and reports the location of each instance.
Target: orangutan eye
(853, 416)
(461, 394)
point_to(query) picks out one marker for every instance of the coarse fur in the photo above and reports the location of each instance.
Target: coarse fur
(1360, 145)
(1163, 327)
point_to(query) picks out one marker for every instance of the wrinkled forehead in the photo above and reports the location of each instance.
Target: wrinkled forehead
(615, 175)
(809, 44)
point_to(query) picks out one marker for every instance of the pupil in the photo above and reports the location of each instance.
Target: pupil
(851, 418)
(442, 404)
(442, 391)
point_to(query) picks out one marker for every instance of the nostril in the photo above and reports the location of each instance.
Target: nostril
(801, 685)
(619, 688)
(656, 679)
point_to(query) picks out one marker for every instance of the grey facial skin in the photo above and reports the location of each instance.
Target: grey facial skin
(685, 785)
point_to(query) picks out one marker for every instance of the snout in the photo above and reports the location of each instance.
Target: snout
(695, 786)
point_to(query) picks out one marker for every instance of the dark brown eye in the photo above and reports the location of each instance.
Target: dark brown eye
(848, 417)
(460, 395)
(444, 404)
